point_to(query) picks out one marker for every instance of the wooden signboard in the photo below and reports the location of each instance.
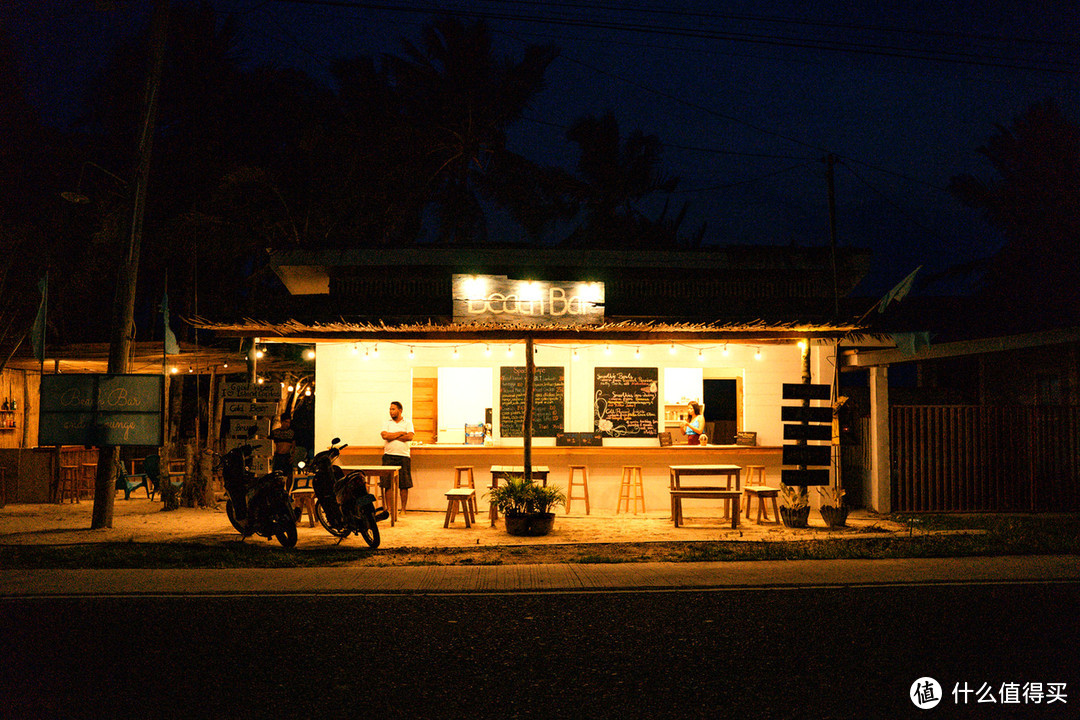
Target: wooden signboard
(808, 432)
(626, 402)
(794, 478)
(101, 409)
(548, 401)
(250, 391)
(806, 391)
(797, 413)
(808, 455)
(497, 299)
(665, 439)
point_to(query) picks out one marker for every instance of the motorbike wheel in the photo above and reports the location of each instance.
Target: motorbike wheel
(231, 512)
(368, 528)
(286, 532)
(320, 513)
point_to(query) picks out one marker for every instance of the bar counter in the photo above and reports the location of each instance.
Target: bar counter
(433, 468)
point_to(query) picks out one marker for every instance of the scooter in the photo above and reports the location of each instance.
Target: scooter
(257, 505)
(343, 504)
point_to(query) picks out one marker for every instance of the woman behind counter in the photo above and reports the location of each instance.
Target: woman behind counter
(694, 425)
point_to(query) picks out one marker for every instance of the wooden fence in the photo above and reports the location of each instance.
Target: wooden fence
(975, 458)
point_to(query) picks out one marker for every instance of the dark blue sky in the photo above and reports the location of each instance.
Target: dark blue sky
(748, 97)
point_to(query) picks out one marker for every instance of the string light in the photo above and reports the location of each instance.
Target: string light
(308, 392)
(310, 354)
(455, 353)
(574, 355)
(509, 351)
(412, 353)
(701, 356)
(259, 353)
(672, 350)
(259, 380)
(637, 353)
(174, 369)
(487, 350)
(355, 349)
(225, 364)
(607, 349)
(290, 388)
(757, 355)
(724, 351)
(376, 352)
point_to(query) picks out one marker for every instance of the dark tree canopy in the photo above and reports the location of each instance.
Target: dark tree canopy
(1034, 280)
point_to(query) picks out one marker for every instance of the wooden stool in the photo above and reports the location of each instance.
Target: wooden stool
(463, 477)
(755, 487)
(631, 487)
(584, 485)
(463, 498)
(304, 498)
(69, 483)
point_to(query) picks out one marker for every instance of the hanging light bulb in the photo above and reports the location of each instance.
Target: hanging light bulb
(724, 351)
(487, 350)
(757, 355)
(701, 356)
(672, 349)
(259, 353)
(355, 349)
(282, 384)
(455, 353)
(412, 353)
(308, 392)
(174, 369)
(225, 364)
(607, 349)
(509, 351)
(573, 355)
(191, 369)
(259, 380)
(637, 353)
(310, 354)
(290, 389)
(367, 353)
(375, 353)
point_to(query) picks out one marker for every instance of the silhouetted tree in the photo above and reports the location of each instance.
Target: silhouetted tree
(616, 176)
(1034, 280)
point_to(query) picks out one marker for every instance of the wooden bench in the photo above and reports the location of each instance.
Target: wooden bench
(701, 493)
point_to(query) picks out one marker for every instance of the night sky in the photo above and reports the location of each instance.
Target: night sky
(747, 97)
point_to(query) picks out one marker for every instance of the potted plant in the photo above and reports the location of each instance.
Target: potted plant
(795, 512)
(527, 505)
(833, 511)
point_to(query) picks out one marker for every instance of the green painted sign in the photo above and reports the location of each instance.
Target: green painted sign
(101, 409)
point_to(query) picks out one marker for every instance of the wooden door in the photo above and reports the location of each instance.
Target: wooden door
(425, 413)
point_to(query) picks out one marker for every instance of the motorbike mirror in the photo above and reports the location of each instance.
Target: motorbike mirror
(335, 441)
(301, 464)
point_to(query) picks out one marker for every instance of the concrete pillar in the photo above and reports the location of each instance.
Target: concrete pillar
(880, 461)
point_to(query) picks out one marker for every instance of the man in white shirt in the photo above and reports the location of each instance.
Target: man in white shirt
(397, 433)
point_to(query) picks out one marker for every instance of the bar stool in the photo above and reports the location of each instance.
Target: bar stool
(631, 487)
(755, 487)
(463, 477)
(462, 498)
(584, 484)
(69, 484)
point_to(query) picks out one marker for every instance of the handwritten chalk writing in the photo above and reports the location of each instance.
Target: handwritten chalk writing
(625, 403)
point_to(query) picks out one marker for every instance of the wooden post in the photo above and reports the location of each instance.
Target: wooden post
(880, 463)
(526, 432)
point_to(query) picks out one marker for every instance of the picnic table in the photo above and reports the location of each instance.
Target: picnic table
(726, 492)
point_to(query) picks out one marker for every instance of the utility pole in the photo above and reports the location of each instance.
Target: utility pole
(123, 318)
(830, 162)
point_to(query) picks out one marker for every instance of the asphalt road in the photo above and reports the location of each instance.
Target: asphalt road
(812, 652)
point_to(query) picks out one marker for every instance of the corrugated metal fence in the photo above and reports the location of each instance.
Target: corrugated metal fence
(975, 458)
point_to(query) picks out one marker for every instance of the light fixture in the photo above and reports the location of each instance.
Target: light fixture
(412, 353)
(637, 353)
(282, 384)
(225, 364)
(290, 389)
(375, 353)
(191, 369)
(530, 291)
(487, 350)
(367, 353)
(672, 349)
(724, 351)
(757, 355)
(308, 392)
(574, 355)
(803, 346)
(174, 369)
(701, 356)
(509, 351)
(259, 353)
(259, 380)
(474, 288)
(355, 349)
(607, 349)
(455, 353)
(310, 354)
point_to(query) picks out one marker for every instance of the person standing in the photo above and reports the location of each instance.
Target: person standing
(397, 433)
(284, 441)
(694, 425)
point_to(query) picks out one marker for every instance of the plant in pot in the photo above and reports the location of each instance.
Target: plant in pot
(527, 505)
(795, 511)
(833, 511)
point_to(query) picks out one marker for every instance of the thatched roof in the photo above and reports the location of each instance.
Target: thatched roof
(628, 330)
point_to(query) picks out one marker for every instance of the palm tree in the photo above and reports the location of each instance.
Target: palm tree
(462, 98)
(616, 176)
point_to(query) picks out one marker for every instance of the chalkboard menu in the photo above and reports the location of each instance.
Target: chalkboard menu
(548, 401)
(625, 402)
(101, 409)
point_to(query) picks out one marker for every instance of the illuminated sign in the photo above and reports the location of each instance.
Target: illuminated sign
(497, 299)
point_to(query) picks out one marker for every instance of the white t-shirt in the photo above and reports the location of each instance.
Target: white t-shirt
(397, 447)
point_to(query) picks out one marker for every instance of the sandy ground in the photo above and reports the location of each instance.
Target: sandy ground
(143, 521)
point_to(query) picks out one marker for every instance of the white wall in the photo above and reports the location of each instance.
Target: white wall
(354, 389)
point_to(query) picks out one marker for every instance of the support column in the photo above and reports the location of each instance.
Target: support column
(880, 460)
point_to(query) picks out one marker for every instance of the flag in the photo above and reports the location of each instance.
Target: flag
(171, 346)
(37, 332)
(899, 292)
